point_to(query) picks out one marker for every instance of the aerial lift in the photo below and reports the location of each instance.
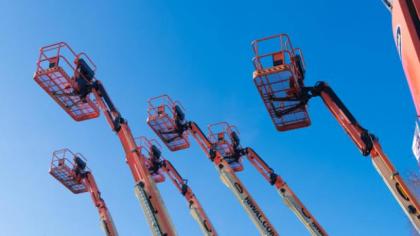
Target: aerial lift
(225, 139)
(167, 120)
(406, 31)
(69, 78)
(78, 178)
(158, 166)
(279, 77)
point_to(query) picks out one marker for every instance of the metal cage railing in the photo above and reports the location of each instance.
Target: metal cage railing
(63, 169)
(56, 73)
(163, 115)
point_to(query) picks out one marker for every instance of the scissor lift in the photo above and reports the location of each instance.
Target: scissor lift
(158, 166)
(365, 141)
(69, 78)
(171, 126)
(71, 170)
(225, 137)
(279, 70)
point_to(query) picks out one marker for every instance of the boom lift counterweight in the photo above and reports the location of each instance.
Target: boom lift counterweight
(69, 78)
(226, 140)
(167, 120)
(77, 177)
(283, 105)
(158, 166)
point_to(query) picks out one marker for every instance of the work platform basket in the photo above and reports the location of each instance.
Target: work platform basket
(220, 136)
(151, 151)
(224, 138)
(63, 168)
(278, 76)
(58, 70)
(166, 118)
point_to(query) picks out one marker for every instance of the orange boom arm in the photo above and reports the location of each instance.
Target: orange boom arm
(157, 166)
(289, 197)
(195, 207)
(106, 219)
(167, 120)
(368, 144)
(75, 176)
(226, 140)
(69, 78)
(281, 86)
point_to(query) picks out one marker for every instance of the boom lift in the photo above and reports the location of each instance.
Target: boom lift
(281, 85)
(167, 120)
(225, 138)
(406, 31)
(158, 166)
(78, 178)
(69, 78)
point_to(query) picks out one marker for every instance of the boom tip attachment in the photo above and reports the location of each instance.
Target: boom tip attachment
(167, 118)
(66, 77)
(279, 73)
(64, 167)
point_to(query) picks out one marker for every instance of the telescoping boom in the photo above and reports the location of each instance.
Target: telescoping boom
(225, 138)
(167, 120)
(279, 77)
(71, 170)
(69, 78)
(158, 166)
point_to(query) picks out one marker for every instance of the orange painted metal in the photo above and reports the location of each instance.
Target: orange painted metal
(158, 166)
(83, 89)
(177, 128)
(162, 114)
(55, 73)
(369, 144)
(279, 72)
(366, 142)
(65, 167)
(226, 138)
(406, 29)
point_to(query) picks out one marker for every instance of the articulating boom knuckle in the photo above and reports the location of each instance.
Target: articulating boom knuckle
(368, 140)
(273, 178)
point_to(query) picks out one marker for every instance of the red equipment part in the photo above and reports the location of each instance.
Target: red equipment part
(75, 176)
(170, 125)
(158, 166)
(367, 143)
(55, 73)
(75, 94)
(226, 137)
(406, 29)
(162, 115)
(279, 72)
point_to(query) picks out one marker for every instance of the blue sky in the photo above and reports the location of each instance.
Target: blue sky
(199, 52)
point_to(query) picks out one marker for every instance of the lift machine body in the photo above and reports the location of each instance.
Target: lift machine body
(70, 169)
(167, 119)
(365, 141)
(225, 138)
(159, 167)
(69, 78)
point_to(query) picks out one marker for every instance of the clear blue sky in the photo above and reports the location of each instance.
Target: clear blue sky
(199, 53)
